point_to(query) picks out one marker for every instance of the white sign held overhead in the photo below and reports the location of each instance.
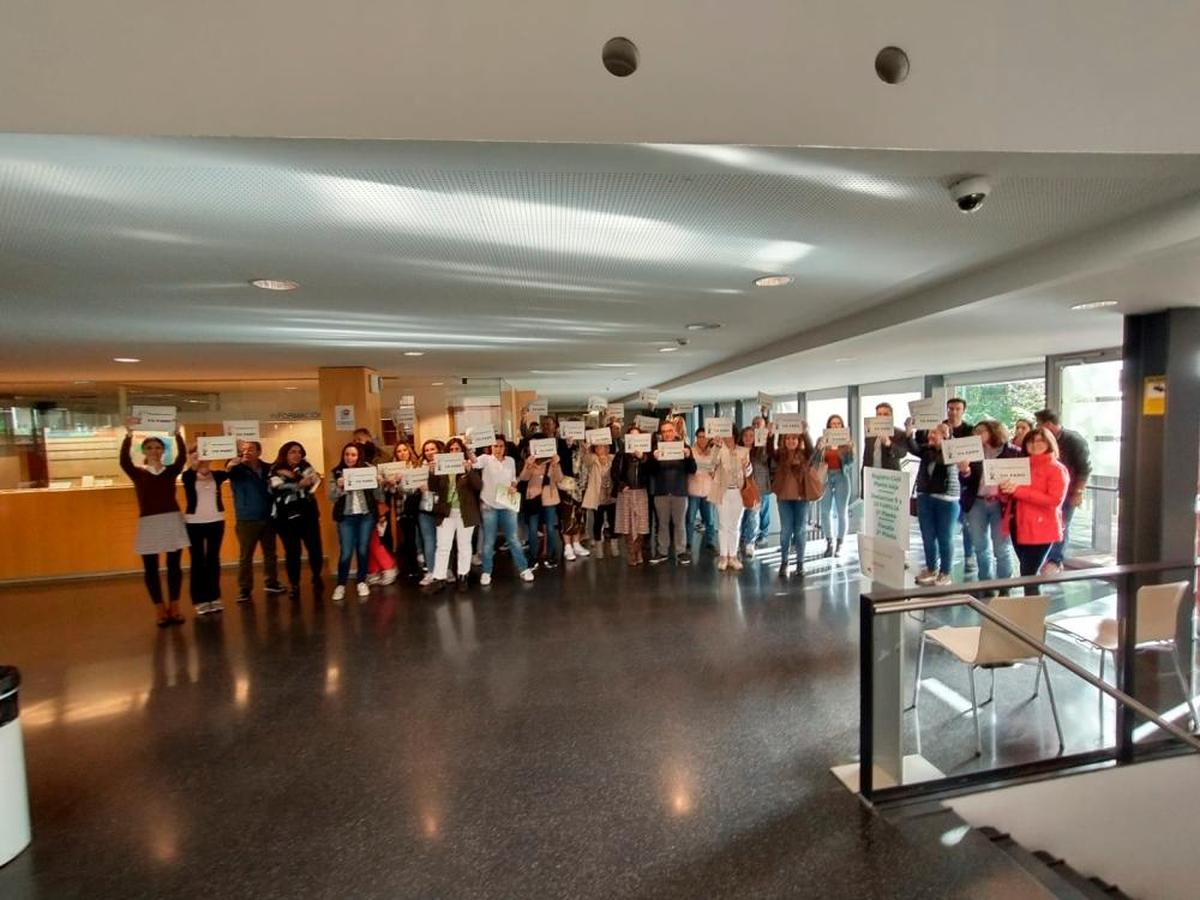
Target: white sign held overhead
(837, 437)
(646, 423)
(998, 471)
(211, 448)
(765, 400)
(649, 397)
(481, 436)
(637, 443)
(965, 449)
(543, 448)
(879, 426)
(242, 429)
(572, 429)
(718, 427)
(927, 413)
(789, 423)
(615, 411)
(343, 418)
(155, 418)
(597, 403)
(538, 407)
(360, 478)
(670, 450)
(449, 464)
(599, 437)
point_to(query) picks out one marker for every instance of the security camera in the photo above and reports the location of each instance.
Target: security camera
(682, 342)
(969, 193)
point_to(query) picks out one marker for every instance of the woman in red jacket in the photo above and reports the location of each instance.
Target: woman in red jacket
(1036, 519)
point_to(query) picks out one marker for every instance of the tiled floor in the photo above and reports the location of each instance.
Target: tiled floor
(600, 733)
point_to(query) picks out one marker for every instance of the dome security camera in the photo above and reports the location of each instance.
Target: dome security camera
(969, 193)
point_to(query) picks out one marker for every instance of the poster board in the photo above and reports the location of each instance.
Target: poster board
(718, 427)
(670, 450)
(998, 471)
(360, 478)
(637, 443)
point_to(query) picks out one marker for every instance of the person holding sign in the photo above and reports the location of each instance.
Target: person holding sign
(1074, 454)
(669, 486)
(839, 463)
(937, 504)
(631, 481)
(756, 523)
(539, 479)
(983, 505)
(796, 483)
(956, 410)
(250, 480)
(354, 512)
(887, 452)
(456, 512)
(699, 487)
(426, 521)
(405, 500)
(205, 519)
(294, 484)
(598, 495)
(499, 501)
(161, 527)
(731, 468)
(1037, 521)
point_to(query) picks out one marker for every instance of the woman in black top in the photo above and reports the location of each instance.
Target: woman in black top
(294, 484)
(205, 518)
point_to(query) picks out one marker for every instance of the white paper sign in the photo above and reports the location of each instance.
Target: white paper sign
(718, 427)
(449, 464)
(242, 429)
(646, 423)
(360, 478)
(998, 471)
(760, 437)
(481, 436)
(765, 400)
(927, 413)
(343, 418)
(881, 560)
(789, 423)
(392, 469)
(211, 448)
(539, 407)
(883, 542)
(637, 443)
(597, 403)
(879, 426)
(404, 416)
(670, 450)
(572, 429)
(615, 411)
(837, 437)
(599, 437)
(155, 418)
(966, 449)
(648, 397)
(415, 478)
(543, 448)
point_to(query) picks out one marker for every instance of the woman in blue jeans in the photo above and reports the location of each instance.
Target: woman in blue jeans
(426, 520)
(839, 462)
(355, 514)
(539, 505)
(793, 489)
(937, 505)
(496, 498)
(983, 506)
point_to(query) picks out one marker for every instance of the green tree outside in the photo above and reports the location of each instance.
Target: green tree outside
(1004, 401)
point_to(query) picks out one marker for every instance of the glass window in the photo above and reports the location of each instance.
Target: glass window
(1004, 401)
(899, 401)
(819, 412)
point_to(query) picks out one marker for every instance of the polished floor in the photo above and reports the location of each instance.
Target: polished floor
(602, 732)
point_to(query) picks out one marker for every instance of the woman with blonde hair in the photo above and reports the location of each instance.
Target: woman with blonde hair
(730, 469)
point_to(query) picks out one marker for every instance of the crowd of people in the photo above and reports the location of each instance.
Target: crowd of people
(651, 501)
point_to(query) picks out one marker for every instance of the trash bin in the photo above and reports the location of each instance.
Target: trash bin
(14, 798)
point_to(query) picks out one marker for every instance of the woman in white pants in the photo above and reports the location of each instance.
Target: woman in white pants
(456, 513)
(731, 465)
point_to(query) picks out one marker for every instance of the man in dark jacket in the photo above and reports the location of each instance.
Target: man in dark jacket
(669, 488)
(885, 453)
(1074, 454)
(250, 479)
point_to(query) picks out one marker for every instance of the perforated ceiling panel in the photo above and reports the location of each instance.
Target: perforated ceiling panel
(559, 267)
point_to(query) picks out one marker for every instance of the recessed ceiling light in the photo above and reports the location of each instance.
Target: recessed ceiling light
(85, 382)
(414, 352)
(843, 359)
(275, 284)
(437, 384)
(703, 326)
(1095, 304)
(291, 387)
(667, 349)
(126, 359)
(772, 280)
(613, 365)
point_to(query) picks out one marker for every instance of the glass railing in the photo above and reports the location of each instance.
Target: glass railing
(1023, 677)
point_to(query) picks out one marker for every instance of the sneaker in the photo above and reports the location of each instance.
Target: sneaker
(389, 577)
(657, 558)
(485, 579)
(275, 588)
(427, 580)
(363, 589)
(550, 564)
(527, 575)
(722, 563)
(749, 550)
(373, 578)
(339, 593)
(243, 598)
(971, 565)
(926, 577)
(216, 606)
(203, 609)
(569, 553)
(735, 564)
(684, 559)
(581, 550)
(943, 579)
(761, 542)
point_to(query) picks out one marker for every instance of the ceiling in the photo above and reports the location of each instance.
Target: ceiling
(562, 268)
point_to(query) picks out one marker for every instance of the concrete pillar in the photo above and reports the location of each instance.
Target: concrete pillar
(345, 386)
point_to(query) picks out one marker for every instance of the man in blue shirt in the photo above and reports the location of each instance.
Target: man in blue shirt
(250, 480)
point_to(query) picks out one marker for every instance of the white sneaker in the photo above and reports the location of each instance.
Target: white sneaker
(735, 564)
(389, 577)
(363, 589)
(749, 552)
(943, 579)
(216, 606)
(581, 550)
(926, 577)
(373, 578)
(427, 580)
(203, 609)
(485, 579)
(339, 593)
(568, 553)
(722, 564)
(527, 575)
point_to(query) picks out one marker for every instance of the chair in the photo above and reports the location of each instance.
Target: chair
(1157, 624)
(989, 646)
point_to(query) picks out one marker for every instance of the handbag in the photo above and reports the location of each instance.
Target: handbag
(750, 493)
(508, 497)
(814, 481)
